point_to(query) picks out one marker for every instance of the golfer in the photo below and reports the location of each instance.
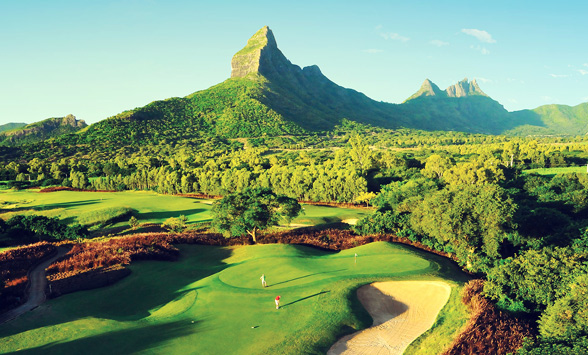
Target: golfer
(278, 302)
(263, 283)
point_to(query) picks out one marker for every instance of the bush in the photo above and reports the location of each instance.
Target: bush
(22, 229)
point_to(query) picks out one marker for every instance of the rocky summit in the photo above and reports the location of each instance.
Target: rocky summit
(464, 88)
(261, 56)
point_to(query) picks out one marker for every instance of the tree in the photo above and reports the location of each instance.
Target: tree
(365, 197)
(174, 224)
(535, 278)
(252, 210)
(567, 318)
(133, 222)
(473, 219)
(361, 154)
(436, 165)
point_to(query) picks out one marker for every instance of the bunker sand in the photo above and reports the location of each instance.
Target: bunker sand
(402, 311)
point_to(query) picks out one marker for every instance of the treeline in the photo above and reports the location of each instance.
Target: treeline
(341, 174)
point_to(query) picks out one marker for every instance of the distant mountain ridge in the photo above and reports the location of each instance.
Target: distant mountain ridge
(38, 131)
(463, 88)
(267, 95)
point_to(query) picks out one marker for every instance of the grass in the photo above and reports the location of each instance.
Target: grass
(91, 208)
(211, 301)
(104, 216)
(447, 327)
(555, 171)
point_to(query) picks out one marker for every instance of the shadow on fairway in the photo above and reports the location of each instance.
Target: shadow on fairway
(151, 285)
(168, 214)
(305, 276)
(305, 298)
(124, 341)
(52, 206)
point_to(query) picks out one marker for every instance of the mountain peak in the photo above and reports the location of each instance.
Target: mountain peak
(465, 88)
(428, 88)
(261, 55)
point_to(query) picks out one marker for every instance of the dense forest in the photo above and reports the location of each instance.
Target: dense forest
(469, 195)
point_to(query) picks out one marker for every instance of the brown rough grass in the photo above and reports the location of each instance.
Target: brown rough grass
(489, 330)
(14, 267)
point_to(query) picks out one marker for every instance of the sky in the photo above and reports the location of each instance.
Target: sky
(94, 59)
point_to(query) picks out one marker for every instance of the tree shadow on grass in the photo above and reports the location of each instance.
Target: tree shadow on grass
(304, 298)
(51, 206)
(66, 204)
(305, 276)
(125, 341)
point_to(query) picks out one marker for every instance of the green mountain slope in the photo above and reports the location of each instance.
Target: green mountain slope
(229, 109)
(10, 126)
(42, 130)
(462, 107)
(268, 95)
(555, 119)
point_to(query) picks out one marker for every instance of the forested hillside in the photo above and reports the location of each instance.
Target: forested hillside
(42, 130)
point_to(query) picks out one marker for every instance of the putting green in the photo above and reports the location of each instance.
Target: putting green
(211, 302)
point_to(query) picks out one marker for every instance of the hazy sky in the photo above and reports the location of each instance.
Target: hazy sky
(95, 59)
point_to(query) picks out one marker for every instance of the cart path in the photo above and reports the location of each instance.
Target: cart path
(401, 310)
(36, 291)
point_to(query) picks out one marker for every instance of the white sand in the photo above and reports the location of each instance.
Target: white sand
(402, 311)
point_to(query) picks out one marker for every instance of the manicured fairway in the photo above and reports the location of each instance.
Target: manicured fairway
(212, 302)
(68, 205)
(149, 206)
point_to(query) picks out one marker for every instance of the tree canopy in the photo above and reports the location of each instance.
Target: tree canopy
(251, 210)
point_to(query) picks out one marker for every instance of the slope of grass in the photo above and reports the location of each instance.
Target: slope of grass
(211, 302)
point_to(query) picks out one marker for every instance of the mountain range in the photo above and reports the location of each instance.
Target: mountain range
(268, 95)
(20, 133)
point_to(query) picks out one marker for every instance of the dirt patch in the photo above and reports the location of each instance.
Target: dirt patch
(402, 311)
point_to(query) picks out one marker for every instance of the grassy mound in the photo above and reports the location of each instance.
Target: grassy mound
(211, 301)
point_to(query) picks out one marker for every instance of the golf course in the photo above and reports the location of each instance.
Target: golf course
(113, 209)
(211, 301)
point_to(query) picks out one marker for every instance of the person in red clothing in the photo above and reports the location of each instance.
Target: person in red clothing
(278, 302)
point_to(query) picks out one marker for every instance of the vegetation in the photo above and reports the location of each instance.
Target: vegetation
(14, 266)
(176, 225)
(27, 229)
(252, 210)
(511, 208)
(102, 217)
(218, 289)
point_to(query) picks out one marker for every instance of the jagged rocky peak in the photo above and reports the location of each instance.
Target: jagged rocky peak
(427, 89)
(71, 120)
(465, 88)
(261, 55)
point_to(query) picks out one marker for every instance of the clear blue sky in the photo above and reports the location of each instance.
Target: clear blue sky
(95, 59)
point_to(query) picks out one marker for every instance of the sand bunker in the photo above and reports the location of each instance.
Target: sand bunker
(402, 311)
